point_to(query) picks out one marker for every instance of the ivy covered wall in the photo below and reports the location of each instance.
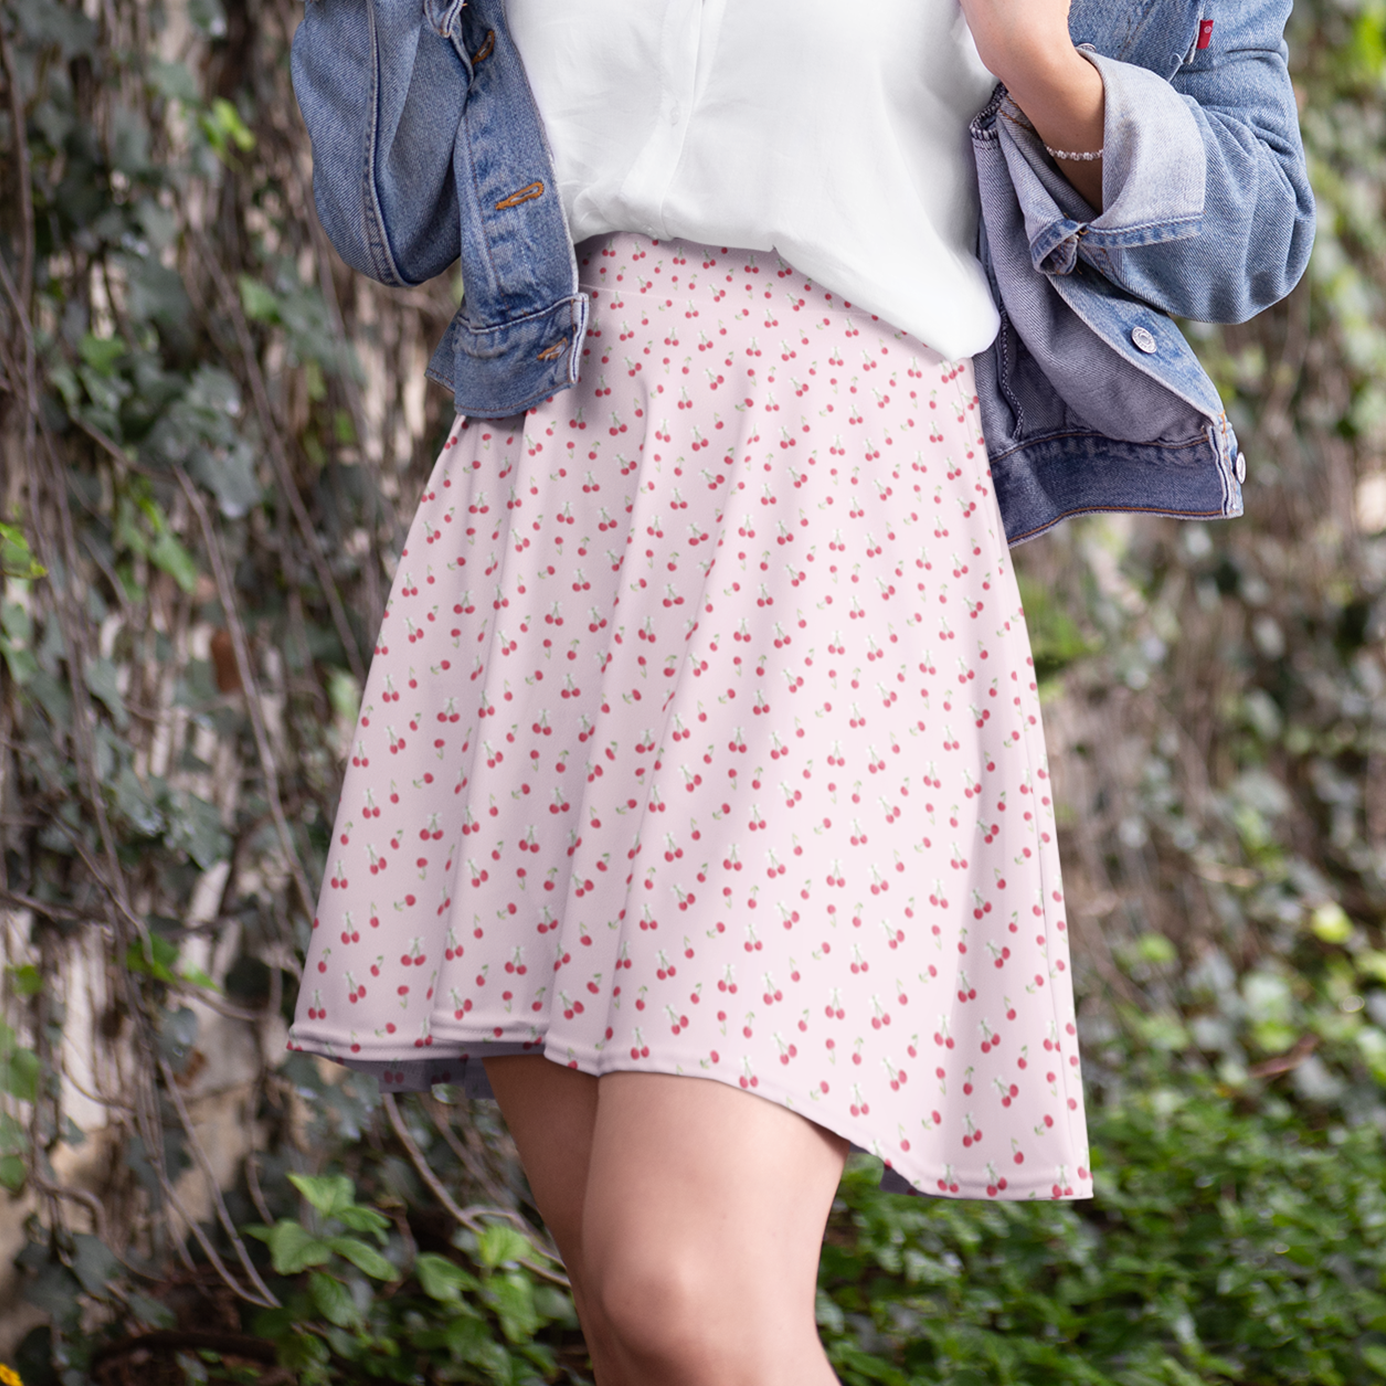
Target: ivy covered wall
(211, 438)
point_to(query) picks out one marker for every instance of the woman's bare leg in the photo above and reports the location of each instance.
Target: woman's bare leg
(701, 1233)
(551, 1112)
(689, 1215)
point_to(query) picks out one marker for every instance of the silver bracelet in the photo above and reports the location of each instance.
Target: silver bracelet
(1086, 157)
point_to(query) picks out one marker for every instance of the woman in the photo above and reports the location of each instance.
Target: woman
(699, 788)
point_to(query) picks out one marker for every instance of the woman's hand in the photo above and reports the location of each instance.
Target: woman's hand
(1026, 44)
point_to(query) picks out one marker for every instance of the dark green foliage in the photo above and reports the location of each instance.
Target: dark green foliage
(478, 1317)
(1225, 1244)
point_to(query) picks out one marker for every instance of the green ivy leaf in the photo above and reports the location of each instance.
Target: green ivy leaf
(468, 1337)
(102, 354)
(293, 1248)
(19, 1072)
(230, 475)
(512, 1296)
(360, 1219)
(195, 828)
(168, 553)
(1369, 40)
(93, 1263)
(259, 302)
(150, 1311)
(178, 1035)
(173, 81)
(158, 964)
(333, 1300)
(157, 293)
(443, 1279)
(16, 558)
(26, 980)
(1371, 1042)
(866, 1367)
(224, 127)
(363, 1257)
(500, 1244)
(491, 1357)
(103, 682)
(1156, 949)
(69, 29)
(13, 1173)
(328, 1193)
(344, 694)
(303, 1352)
(133, 800)
(14, 1139)
(208, 17)
(64, 379)
(20, 662)
(1331, 923)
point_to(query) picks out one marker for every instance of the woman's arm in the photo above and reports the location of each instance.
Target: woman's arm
(1026, 44)
(1205, 209)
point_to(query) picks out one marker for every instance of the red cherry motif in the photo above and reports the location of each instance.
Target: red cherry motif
(777, 520)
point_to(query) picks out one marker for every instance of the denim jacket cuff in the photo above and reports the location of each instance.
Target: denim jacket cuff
(1154, 172)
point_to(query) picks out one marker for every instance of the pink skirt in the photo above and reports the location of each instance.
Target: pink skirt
(702, 738)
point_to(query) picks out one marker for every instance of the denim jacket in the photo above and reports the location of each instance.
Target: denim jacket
(427, 147)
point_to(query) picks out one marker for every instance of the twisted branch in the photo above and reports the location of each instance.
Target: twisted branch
(214, 1188)
(250, 686)
(231, 305)
(470, 1218)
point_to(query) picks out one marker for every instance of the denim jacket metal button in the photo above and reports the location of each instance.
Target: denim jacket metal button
(427, 148)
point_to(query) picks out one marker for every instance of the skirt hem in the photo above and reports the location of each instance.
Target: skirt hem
(937, 1181)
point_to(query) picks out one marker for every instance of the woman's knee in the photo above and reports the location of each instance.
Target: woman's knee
(671, 1307)
(658, 1302)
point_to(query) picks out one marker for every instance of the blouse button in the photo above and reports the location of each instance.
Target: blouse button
(1144, 339)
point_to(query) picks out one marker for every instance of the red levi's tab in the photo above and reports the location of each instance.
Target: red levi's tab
(1205, 33)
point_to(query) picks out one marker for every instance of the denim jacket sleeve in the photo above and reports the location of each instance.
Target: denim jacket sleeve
(382, 88)
(428, 149)
(1207, 208)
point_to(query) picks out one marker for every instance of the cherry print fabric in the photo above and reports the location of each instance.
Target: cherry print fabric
(702, 738)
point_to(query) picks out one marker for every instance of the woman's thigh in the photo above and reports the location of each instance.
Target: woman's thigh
(690, 1215)
(551, 1112)
(703, 1224)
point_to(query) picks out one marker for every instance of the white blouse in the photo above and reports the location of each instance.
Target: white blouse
(834, 133)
